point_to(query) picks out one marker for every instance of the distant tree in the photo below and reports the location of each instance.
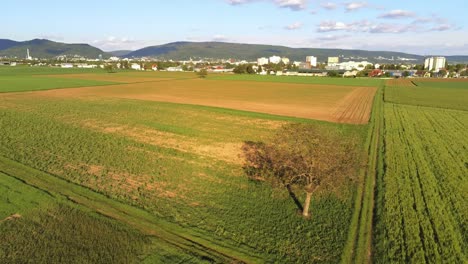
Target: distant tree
(332, 74)
(302, 156)
(442, 73)
(405, 74)
(202, 73)
(250, 69)
(240, 69)
(110, 68)
(260, 69)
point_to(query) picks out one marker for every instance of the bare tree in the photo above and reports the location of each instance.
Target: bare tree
(303, 155)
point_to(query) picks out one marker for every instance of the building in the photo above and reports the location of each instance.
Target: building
(28, 56)
(66, 65)
(135, 66)
(285, 60)
(262, 61)
(275, 59)
(333, 61)
(434, 63)
(175, 69)
(312, 61)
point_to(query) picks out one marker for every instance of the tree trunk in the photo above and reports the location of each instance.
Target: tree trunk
(305, 213)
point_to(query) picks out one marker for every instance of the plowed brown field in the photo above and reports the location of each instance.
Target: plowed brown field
(343, 104)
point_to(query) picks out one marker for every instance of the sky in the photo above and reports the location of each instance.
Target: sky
(419, 27)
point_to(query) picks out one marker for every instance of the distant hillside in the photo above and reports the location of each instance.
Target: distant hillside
(186, 50)
(120, 53)
(6, 43)
(43, 48)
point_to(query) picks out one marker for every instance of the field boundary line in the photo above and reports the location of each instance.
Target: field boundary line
(358, 248)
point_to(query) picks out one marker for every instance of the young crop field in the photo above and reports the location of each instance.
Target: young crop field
(448, 94)
(180, 163)
(160, 163)
(299, 79)
(421, 207)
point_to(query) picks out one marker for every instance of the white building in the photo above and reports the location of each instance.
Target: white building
(351, 65)
(114, 58)
(175, 69)
(312, 61)
(262, 61)
(333, 61)
(66, 65)
(275, 59)
(434, 63)
(285, 60)
(135, 66)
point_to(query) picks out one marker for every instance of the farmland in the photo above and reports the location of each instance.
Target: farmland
(346, 104)
(421, 186)
(165, 174)
(153, 161)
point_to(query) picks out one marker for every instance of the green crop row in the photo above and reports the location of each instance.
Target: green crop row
(422, 194)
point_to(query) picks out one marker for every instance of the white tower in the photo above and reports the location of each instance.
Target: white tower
(27, 55)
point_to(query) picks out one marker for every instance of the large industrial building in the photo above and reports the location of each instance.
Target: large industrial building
(434, 63)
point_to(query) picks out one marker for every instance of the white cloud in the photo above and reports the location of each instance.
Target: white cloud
(115, 43)
(353, 6)
(442, 27)
(357, 26)
(220, 38)
(291, 4)
(397, 14)
(329, 5)
(294, 26)
(392, 28)
(332, 37)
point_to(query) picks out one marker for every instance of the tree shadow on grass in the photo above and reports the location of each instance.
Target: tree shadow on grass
(256, 167)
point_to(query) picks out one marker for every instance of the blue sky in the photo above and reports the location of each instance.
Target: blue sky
(421, 27)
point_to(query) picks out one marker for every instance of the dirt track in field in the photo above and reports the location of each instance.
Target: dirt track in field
(343, 104)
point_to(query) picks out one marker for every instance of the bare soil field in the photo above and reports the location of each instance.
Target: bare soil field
(344, 104)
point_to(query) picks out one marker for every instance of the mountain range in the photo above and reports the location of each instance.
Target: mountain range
(43, 48)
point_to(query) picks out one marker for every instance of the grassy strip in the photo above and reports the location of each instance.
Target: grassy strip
(34, 83)
(134, 217)
(359, 243)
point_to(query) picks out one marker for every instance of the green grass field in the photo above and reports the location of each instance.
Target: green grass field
(35, 83)
(449, 95)
(421, 204)
(298, 79)
(179, 162)
(162, 182)
(168, 176)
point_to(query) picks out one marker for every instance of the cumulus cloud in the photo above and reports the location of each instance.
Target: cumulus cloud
(294, 26)
(397, 14)
(329, 5)
(369, 27)
(115, 43)
(353, 6)
(442, 27)
(51, 37)
(328, 26)
(392, 28)
(332, 37)
(291, 4)
(219, 37)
